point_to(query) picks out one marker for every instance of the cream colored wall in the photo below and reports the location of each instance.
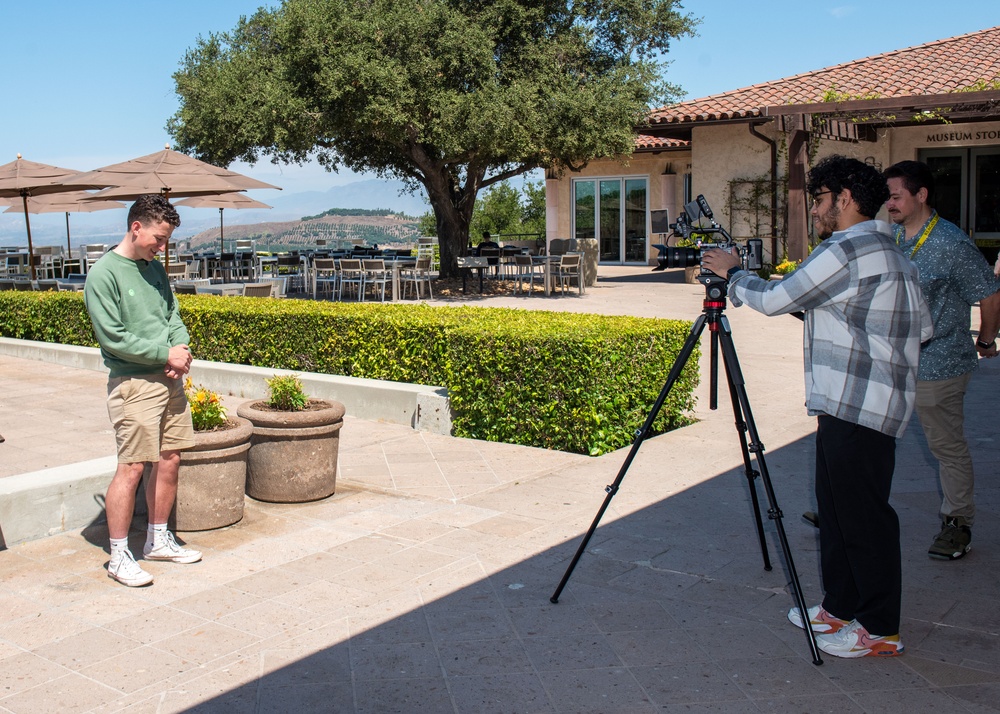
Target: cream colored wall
(722, 153)
(664, 191)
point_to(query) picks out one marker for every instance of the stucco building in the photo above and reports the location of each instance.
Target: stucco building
(748, 150)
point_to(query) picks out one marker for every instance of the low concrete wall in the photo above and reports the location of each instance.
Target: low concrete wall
(34, 505)
(425, 408)
(42, 503)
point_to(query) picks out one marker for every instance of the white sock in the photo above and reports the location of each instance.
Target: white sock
(119, 546)
(155, 533)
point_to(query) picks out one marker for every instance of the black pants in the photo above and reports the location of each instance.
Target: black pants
(858, 529)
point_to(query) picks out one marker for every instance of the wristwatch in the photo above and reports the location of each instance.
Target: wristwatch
(985, 345)
(732, 271)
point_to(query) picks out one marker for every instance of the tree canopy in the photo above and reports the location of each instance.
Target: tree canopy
(449, 95)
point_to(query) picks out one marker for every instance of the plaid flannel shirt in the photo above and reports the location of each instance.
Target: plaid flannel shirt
(865, 320)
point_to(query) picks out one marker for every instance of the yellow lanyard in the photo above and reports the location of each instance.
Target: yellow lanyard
(923, 236)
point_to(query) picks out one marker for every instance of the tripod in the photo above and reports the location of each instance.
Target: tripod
(712, 315)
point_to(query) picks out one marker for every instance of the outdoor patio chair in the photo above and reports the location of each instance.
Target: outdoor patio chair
(352, 273)
(23, 285)
(568, 270)
(290, 267)
(417, 276)
(376, 275)
(525, 272)
(324, 277)
(185, 289)
(492, 256)
(257, 290)
(177, 271)
(90, 254)
(6, 284)
(47, 285)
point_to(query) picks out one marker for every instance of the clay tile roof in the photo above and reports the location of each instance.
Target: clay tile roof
(935, 68)
(644, 141)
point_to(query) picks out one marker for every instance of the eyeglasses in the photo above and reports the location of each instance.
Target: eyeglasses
(813, 200)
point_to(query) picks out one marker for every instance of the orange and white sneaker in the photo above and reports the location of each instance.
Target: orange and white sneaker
(821, 621)
(855, 641)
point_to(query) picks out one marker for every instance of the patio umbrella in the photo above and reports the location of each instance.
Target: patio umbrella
(29, 178)
(70, 202)
(221, 201)
(169, 173)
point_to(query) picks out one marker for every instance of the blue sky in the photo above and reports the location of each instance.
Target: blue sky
(89, 84)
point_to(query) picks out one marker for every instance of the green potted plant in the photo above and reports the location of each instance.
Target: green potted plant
(293, 452)
(212, 480)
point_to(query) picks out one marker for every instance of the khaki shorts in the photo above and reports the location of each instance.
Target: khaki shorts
(150, 414)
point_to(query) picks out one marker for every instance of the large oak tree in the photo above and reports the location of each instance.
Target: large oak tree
(449, 95)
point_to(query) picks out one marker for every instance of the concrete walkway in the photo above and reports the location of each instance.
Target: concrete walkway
(423, 585)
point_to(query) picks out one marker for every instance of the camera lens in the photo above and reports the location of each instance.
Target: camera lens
(679, 258)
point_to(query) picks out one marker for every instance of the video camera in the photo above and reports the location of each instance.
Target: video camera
(751, 254)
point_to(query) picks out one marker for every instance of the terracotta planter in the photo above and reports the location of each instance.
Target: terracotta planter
(293, 455)
(211, 483)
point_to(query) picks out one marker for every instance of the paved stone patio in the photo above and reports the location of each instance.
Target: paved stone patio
(423, 584)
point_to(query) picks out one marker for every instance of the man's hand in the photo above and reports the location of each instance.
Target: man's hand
(178, 361)
(989, 352)
(719, 261)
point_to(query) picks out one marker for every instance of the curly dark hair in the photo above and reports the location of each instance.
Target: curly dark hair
(866, 184)
(153, 208)
(915, 174)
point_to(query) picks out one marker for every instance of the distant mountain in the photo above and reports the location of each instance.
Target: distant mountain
(109, 226)
(346, 226)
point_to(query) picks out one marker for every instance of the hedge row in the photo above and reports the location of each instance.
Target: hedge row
(566, 381)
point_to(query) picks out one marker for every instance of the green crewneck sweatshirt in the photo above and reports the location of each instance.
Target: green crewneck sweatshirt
(134, 313)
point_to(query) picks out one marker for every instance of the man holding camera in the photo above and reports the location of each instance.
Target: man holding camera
(865, 318)
(954, 275)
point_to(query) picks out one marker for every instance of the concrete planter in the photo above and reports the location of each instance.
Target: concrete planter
(293, 455)
(212, 480)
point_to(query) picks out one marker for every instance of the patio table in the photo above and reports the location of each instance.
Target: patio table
(219, 288)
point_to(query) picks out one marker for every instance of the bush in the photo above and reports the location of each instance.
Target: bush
(286, 393)
(580, 383)
(566, 381)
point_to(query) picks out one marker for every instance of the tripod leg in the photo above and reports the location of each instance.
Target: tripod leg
(682, 357)
(774, 512)
(748, 469)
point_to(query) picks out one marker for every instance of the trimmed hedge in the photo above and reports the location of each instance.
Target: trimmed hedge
(566, 381)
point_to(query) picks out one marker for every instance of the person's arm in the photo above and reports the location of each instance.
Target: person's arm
(104, 307)
(989, 325)
(822, 278)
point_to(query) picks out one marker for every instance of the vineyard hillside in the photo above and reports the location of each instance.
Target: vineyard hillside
(382, 228)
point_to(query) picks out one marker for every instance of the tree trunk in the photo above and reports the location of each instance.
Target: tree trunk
(453, 216)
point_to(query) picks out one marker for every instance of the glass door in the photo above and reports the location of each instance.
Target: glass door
(615, 211)
(611, 220)
(967, 192)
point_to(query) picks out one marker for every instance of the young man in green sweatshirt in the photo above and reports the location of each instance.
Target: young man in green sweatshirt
(144, 344)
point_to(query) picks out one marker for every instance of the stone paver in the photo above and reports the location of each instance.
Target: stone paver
(423, 584)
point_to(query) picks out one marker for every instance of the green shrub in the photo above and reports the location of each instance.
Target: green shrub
(46, 317)
(572, 382)
(286, 393)
(580, 383)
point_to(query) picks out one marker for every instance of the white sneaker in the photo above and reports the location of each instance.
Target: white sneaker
(166, 548)
(125, 570)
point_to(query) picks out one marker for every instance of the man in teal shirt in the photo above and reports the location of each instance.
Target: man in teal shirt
(953, 276)
(144, 344)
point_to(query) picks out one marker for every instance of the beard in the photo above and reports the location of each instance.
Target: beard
(826, 224)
